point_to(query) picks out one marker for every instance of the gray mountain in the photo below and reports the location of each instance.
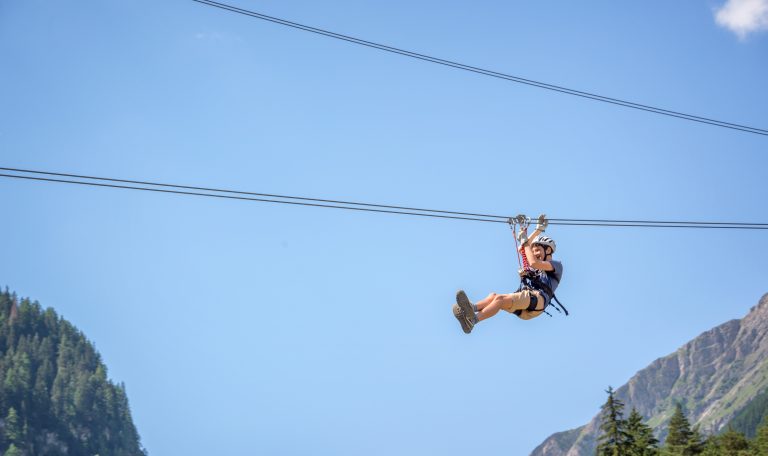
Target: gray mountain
(714, 376)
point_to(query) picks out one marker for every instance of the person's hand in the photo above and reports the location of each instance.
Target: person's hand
(522, 236)
(542, 223)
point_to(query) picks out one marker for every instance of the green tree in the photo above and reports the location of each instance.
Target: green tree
(729, 443)
(641, 441)
(711, 446)
(680, 434)
(18, 377)
(13, 429)
(695, 442)
(13, 451)
(613, 439)
(760, 443)
(733, 443)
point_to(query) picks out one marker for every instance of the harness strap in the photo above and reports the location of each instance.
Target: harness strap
(532, 307)
(512, 225)
(559, 304)
(534, 283)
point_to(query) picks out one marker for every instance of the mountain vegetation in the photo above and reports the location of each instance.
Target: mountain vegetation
(748, 420)
(55, 397)
(632, 437)
(718, 380)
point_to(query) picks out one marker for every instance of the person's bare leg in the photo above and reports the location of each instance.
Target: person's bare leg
(491, 308)
(513, 301)
(483, 303)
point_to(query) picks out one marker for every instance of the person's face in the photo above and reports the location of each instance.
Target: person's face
(538, 252)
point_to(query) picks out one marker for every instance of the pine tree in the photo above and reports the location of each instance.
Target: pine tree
(711, 446)
(760, 444)
(13, 429)
(733, 443)
(695, 442)
(642, 442)
(13, 451)
(613, 439)
(679, 435)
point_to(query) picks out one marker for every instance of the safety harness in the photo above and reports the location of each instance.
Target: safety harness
(532, 281)
(529, 277)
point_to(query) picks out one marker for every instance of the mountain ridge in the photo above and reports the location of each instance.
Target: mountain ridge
(715, 375)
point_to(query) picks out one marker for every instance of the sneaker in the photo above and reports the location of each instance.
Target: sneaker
(466, 308)
(466, 325)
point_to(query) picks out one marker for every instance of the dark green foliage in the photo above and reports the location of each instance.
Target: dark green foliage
(613, 439)
(711, 447)
(13, 451)
(642, 442)
(13, 430)
(733, 443)
(55, 397)
(679, 428)
(748, 419)
(696, 442)
(760, 443)
(729, 443)
(681, 439)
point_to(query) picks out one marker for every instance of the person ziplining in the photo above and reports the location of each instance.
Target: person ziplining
(539, 278)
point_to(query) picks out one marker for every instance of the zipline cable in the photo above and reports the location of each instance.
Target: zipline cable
(758, 226)
(491, 73)
(554, 221)
(367, 207)
(243, 198)
(652, 221)
(237, 192)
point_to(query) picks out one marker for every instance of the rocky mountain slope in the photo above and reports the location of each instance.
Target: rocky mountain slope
(714, 376)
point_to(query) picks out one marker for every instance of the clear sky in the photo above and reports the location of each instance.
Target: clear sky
(249, 328)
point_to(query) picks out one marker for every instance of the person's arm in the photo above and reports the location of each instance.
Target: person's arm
(533, 262)
(526, 244)
(535, 234)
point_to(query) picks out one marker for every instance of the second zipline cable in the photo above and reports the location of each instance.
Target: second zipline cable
(491, 73)
(358, 206)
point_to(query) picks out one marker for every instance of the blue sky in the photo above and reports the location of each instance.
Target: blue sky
(246, 328)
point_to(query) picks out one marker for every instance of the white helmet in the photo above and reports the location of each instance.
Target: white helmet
(546, 241)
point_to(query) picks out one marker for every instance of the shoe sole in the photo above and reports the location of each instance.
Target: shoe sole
(466, 307)
(462, 319)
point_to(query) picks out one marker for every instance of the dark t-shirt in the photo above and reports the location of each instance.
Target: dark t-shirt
(551, 278)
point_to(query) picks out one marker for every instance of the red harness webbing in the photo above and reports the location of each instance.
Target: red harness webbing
(519, 248)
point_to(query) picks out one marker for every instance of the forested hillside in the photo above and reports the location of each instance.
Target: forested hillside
(55, 397)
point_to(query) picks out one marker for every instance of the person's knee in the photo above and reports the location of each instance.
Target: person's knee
(498, 302)
(492, 296)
